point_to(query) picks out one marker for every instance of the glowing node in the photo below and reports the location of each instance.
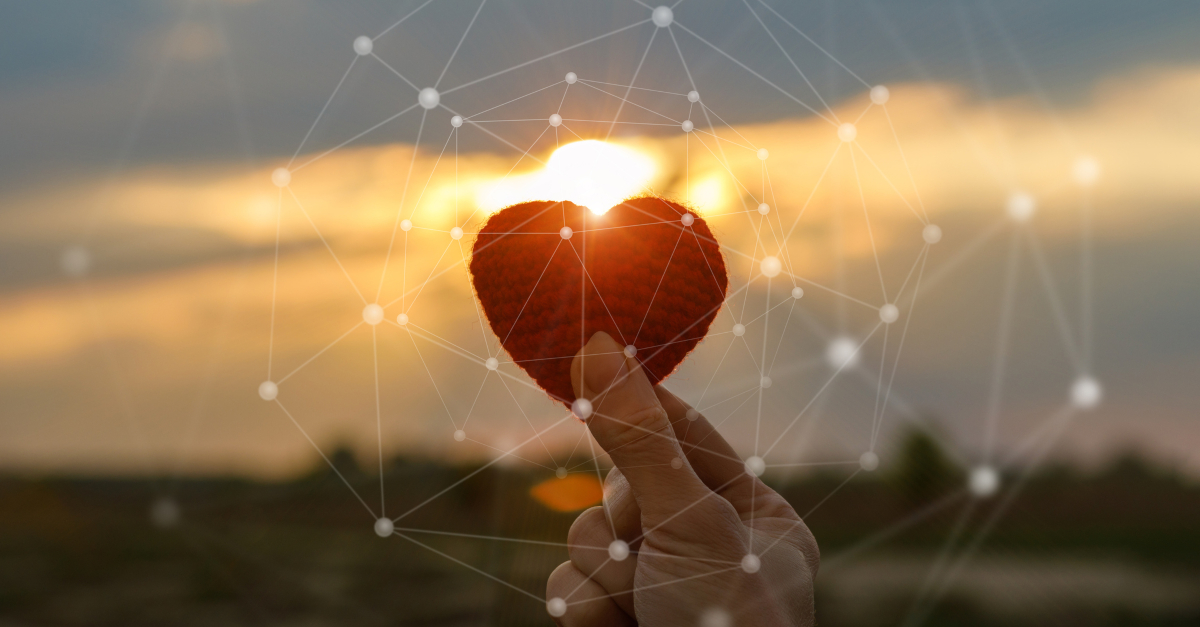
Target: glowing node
(1020, 206)
(983, 481)
(555, 119)
(763, 154)
(402, 319)
(459, 435)
(764, 208)
(842, 353)
(630, 350)
(932, 233)
(880, 94)
(268, 390)
(751, 563)
(429, 97)
(560, 472)
(797, 292)
(491, 363)
(716, 617)
(764, 382)
(771, 266)
(691, 414)
(755, 465)
(1086, 171)
(556, 607)
(456, 233)
(676, 463)
(363, 45)
(739, 329)
(372, 314)
(406, 225)
(582, 408)
(1086, 393)
(847, 132)
(868, 461)
(889, 313)
(693, 96)
(281, 177)
(384, 527)
(662, 16)
(687, 219)
(687, 126)
(164, 513)
(618, 550)
(566, 232)
(75, 261)
(571, 78)
(456, 121)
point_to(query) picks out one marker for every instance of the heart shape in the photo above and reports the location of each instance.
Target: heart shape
(655, 279)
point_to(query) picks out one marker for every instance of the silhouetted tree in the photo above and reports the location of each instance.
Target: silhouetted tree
(922, 470)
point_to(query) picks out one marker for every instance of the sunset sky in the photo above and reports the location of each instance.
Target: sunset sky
(139, 222)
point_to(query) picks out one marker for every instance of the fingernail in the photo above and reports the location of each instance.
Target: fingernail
(603, 364)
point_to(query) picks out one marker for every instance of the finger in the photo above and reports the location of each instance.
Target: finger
(587, 603)
(632, 426)
(590, 545)
(622, 508)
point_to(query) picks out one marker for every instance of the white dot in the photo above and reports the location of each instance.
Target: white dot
(1086, 171)
(582, 408)
(694, 96)
(847, 132)
(662, 16)
(406, 224)
(797, 292)
(715, 617)
(763, 154)
(429, 97)
(880, 94)
(755, 466)
(268, 390)
(932, 233)
(868, 461)
(688, 219)
(1086, 393)
(676, 463)
(565, 232)
(75, 261)
(164, 513)
(764, 208)
(691, 414)
(842, 353)
(751, 563)
(372, 314)
(889, 313)
(764, 382)
(556, 607)
(402, 319)
(739, 329)
(456, 121)
(560, 472)
(630, 350)
(771, 266)
(491, 363)
(363, 45)
(456, 233)
(618, 550)
(571, 78)
(384, 527)
(1021, 206)
(983, 481)
(555, 119)
(687, 126)
(459, 435)
(281, 177)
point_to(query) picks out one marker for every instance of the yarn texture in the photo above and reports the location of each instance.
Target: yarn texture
(651, 281)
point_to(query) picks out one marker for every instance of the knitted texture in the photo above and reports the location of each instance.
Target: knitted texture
(651, 281)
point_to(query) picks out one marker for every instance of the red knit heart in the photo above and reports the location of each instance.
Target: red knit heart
(652, 281)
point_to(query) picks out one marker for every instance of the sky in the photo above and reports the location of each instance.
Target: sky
(139, 222)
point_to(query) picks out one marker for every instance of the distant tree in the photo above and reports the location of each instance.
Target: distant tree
(923, 470)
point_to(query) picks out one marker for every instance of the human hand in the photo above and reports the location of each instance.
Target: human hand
(707, 540)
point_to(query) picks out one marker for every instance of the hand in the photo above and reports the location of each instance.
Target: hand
(707, 540)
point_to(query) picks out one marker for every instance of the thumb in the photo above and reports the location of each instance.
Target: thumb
(629, 422)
